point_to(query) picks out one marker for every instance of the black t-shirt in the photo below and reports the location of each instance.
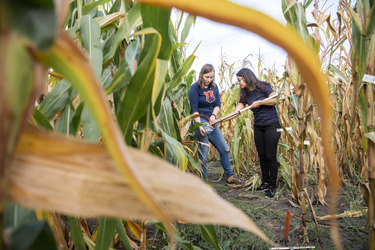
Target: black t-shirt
(264, 114)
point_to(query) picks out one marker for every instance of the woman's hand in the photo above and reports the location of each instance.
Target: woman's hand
(212, 119)
(256, 104)
(202, 130)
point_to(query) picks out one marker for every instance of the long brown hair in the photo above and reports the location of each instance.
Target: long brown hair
(207, 68)
(251, 82)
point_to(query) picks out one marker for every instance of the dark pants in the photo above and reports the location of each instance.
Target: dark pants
(266, 140)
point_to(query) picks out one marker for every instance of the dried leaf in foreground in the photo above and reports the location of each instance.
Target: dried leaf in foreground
(67, 175)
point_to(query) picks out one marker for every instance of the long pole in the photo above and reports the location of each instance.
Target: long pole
(228, 117)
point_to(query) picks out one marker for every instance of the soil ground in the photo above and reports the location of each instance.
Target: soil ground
(270, 215)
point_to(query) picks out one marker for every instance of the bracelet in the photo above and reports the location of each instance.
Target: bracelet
(213, 115)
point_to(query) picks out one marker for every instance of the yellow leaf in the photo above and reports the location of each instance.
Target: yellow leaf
(67, 175)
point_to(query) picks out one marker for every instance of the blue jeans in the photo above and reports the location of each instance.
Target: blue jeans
(217, 140)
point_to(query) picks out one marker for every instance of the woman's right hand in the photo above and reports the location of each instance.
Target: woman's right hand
(203, 131)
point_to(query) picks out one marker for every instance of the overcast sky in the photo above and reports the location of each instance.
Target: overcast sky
(237, 43)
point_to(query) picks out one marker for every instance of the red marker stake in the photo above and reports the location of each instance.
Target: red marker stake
(287, 226)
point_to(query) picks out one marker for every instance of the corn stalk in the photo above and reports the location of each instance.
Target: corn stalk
(251, 23)
(363, 40)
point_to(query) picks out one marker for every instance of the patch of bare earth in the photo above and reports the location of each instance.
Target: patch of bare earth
(270, 215)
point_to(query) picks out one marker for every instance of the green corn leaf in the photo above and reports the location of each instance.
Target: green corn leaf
(91, 131)
(158, 19)
(189, 22)
(359, 54)
(106, 233)
(160, 72)
(33, 236)
(338, 73)
(133, 20)
(86, 9)
(177, 45)
(370, 22)
(296, 17)
(76, 120)
(41, 120)
(167, 121)
(138, 93)
(284, 169)
(90, 37)
(355, 19)
(120, 80)
(338, 46)
(315, 45)
(56, 100)
(294, 102)
(64, 123)
(122, 233)
(177, 149)
(15, 215)
(107, 77)
(362, 101)
(306, 154)
(195, 163)
(116, 7)
(181, 73)
(307, 3)
(209, 234)
(76, 232)
(124, 73)
(180, 92)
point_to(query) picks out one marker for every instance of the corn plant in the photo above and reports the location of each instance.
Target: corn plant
(250, 24)
(109, 69)
(117, 76)
(363, 41)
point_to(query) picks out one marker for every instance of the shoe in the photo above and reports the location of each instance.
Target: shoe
(271, 192)
(233, 181)
(262, 187)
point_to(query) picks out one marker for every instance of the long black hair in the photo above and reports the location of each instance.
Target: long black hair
(251, 82)
(207, 68)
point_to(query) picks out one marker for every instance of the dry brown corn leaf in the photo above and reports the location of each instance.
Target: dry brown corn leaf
(67, 175)
(346, 214)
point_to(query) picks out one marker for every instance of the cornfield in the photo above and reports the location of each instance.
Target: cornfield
(95, 119)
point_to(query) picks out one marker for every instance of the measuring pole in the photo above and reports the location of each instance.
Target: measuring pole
(239, 112)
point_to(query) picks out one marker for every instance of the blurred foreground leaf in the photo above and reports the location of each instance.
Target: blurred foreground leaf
(81, 179)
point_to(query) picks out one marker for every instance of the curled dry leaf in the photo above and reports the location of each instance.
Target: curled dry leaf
(250, 196)
(346, 214)
(67, 175)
